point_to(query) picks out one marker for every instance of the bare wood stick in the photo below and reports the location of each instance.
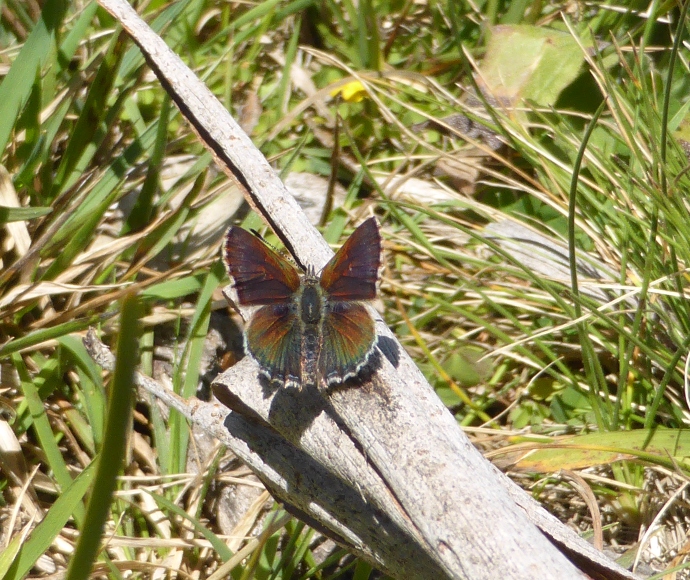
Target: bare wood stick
(453, 498)
(309, 490)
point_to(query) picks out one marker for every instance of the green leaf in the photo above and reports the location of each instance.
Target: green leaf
(529, 62)
(218, 545)
(464, 366)
(41, 424)
(53, 332)
(8, 555)
(90, 388)
(20, 214)
(661, 446)
(16, 88)
(115, 441)
(55, 519)
(172, 289)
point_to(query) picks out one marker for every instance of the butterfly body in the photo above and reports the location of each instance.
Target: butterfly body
(307, 328)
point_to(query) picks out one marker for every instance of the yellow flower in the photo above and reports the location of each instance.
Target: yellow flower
(352, 92)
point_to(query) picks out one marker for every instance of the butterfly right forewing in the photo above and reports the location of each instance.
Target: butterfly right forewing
(351, 274)
(348, 330)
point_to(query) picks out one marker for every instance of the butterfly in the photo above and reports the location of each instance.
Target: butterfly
(307, 328)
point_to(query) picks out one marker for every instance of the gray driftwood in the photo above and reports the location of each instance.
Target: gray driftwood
(383, 468)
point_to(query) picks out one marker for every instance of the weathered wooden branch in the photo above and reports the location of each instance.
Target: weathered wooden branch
(383, 467)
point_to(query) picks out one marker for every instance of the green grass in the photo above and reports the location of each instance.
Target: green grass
(107, 194)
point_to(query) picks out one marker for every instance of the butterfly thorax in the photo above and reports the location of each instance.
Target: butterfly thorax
(311, 301)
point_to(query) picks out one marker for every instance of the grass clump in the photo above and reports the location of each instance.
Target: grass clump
(530, 178)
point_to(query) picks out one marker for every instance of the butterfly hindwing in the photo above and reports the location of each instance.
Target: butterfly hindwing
(348, 340)
(260, 275)
(274, 340)
(352, 273)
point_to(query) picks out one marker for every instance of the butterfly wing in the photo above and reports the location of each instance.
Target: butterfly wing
(349, 339)
(274, 340)
(352, 273)
(260, 275)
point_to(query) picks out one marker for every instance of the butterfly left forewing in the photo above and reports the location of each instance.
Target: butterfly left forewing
(259, 274)
(264, 279)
